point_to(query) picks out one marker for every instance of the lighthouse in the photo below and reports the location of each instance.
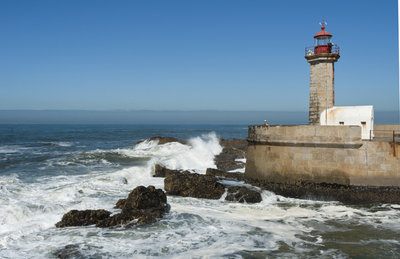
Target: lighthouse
(321, 57)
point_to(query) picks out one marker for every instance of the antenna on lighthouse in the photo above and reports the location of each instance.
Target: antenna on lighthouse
(323, 23)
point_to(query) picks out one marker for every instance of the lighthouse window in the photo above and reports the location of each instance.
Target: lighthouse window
(363, 123)
(323, 41)
(341, 122)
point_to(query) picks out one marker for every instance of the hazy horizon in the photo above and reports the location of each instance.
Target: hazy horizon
(167, 117)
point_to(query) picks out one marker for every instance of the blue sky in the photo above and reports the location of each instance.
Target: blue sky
(191, 55)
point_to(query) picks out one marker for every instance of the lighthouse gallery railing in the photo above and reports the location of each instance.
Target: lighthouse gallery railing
(309, 51)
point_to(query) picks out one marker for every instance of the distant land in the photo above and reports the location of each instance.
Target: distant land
(167, 117)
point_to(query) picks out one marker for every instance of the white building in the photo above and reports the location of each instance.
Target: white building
(362, 116)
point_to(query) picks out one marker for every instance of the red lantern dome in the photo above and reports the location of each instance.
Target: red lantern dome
(322, 33)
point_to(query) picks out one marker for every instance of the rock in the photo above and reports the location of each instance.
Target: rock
(348, 194)
(235, 143)
(82, 218)
(226, 175)
(164, 140)
(193, 185)
(134, 217)
(69, 251)
(124, 180)
(143, 206)
(120, 203)
(232, 149)
(243, 194)
(144, 198)
(162, 171)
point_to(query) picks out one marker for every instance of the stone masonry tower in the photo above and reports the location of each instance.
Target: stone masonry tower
(322, 73)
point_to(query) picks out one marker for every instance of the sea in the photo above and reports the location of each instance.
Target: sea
(47, 170)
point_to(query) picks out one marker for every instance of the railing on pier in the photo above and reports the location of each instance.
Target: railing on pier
(389, 135)
(392, 136)
(333, 49)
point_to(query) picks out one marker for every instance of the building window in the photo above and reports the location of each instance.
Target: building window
(363, 123)
(341, 122)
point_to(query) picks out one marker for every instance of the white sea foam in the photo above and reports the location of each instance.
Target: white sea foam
(62, 144)
(198, 154)
(9, 149)
(243, 160)
(238, 170)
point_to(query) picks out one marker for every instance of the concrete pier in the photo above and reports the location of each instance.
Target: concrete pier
(321, 154)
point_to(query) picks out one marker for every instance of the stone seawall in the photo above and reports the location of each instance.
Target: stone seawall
(320, 154)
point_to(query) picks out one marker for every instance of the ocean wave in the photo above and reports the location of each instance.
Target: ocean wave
(198, 154)
(9, 149)
(58, 144)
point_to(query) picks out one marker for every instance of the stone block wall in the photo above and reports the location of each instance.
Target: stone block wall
(320, 154)
(321, 90)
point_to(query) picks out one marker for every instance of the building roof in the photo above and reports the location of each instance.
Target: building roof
(323, 33)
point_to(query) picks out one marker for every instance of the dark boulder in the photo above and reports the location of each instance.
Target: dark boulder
(225, 175)
(143, 206)
(162, 171)
(235, 143)
(232, 149)
(164, 140)
(82, 218)
(120, 203)
(193, 185)
(124, 180)
(134, 217)
(144, 198)
(69, 251)
(243, 194)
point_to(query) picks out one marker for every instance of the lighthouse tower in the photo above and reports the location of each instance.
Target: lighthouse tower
(321, 57)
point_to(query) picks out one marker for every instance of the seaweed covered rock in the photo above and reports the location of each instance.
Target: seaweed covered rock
(82, 218)
(143, 206)
(193, 185)
(243, 194)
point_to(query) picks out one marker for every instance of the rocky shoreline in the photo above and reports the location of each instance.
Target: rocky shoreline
(146, 205)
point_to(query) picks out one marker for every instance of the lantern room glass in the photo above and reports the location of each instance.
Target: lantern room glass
(321, 41)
